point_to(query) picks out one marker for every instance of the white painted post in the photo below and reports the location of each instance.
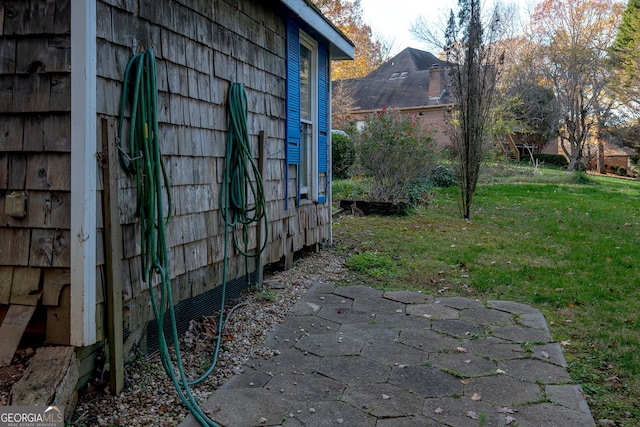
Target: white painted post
(83, 172)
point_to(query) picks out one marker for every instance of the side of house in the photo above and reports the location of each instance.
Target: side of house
(280, 50)
(35, 164)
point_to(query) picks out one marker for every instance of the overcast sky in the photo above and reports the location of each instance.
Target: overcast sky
(392, 19)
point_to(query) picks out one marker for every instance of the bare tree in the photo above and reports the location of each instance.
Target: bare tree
(574, 39)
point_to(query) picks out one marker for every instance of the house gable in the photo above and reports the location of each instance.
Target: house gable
(412, 79)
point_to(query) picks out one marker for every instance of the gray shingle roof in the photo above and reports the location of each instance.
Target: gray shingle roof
(402, 81)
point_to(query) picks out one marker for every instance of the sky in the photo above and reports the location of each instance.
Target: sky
(391, 20)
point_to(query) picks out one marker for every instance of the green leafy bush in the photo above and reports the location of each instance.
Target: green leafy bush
(619, 170)
(444, 177)
(343, 154)
(552, 159)
(396, 151)
(349, 189)
(581, 178)
(419, 193)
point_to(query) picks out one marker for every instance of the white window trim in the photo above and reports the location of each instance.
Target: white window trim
(311, 192)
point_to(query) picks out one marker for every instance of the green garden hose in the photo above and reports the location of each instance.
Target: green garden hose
(144, 159)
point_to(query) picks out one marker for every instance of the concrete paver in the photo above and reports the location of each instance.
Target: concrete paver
(359, 356)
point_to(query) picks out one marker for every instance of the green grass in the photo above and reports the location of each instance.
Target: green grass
(566, 243)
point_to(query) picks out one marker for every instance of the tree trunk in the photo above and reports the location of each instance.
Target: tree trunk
(602, 168)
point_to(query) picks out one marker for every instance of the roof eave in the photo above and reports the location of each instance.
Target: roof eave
(340, 46)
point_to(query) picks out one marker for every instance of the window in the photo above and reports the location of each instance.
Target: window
(307, 114)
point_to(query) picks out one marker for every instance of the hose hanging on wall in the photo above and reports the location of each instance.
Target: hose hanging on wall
(242, 184)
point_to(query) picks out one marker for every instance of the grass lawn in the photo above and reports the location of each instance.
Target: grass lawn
(565, 243)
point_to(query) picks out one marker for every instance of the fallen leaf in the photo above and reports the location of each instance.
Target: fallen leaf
(500, 371)
(544, 354)
(386, 396)
(262, 420)
(461, 349)
(467, 361)
(509, 420)
(340, 420)
(565, 343)
(605, 422)
(476, 397)
(465, 382)
(506, 410)
(209, 331)
(472, 415)
(438, 410)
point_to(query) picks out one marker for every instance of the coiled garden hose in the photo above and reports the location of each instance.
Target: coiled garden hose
(144, 159)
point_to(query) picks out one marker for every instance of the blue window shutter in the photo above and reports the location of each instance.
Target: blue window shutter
(323, 120)
(293, 93)
(292, 135)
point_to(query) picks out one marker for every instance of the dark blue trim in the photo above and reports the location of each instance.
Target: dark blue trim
(292, 133)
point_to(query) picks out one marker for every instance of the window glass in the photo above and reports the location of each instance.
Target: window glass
(305, 145)
(305, 83)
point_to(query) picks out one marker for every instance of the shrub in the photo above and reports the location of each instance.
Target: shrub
(581, 178)
(444, 177)
(418, 192)
(552, 159)
(343, 154)
(349, 189)
(396, 151)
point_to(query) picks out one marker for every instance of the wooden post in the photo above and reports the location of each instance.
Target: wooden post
(113, 264)
(260, 229)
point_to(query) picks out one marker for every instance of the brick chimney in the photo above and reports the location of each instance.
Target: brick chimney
(436, 81)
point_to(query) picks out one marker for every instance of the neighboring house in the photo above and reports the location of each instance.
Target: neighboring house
(77, 242)
(412, 81)
(615, 157)
(521, 146)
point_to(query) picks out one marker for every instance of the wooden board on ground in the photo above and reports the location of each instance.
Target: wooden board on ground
(50, 379)
(12, 328)
(365, 207)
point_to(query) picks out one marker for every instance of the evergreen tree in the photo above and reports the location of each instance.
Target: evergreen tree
(474, 63)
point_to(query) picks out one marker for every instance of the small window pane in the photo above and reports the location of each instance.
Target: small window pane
(305, 83)
(305, 141)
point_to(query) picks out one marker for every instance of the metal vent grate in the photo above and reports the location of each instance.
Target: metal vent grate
(204, 304)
